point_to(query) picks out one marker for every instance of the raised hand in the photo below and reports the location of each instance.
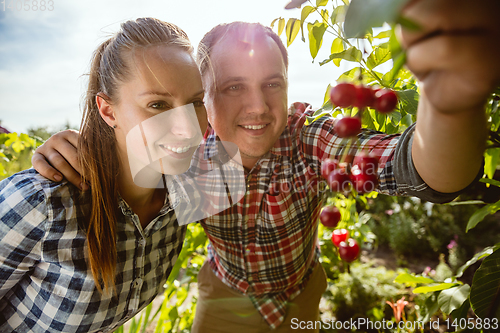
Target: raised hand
(455, 52)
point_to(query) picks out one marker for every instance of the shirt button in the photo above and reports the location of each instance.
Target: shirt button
(250, 248)
(142, 242)
(137, 282)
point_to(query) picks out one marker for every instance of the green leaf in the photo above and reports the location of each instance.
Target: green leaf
(321, 3)
(485, 290)
(398, 58)
(383, 34)
(398, 64)
(3, 173)
(326, 99)
(478, 256)
(453, 298)
(480, 214)
(409, 98)
(338, 14)
(490, 181)
(461, 312)
(324, 15)
(410, 25)
(437, 287)
(315, 117)
(365, 14)
(407, 120)
(292, 29)
(466, 202)
(412, 279)
(490, 162)
(368, 120)
(281, 26)
(351, 54)
(18, 146)
(431, 306)
(351, 74)
(272, 23)
(316, 32)
(379, 55)
(337, 46)
(303, 16)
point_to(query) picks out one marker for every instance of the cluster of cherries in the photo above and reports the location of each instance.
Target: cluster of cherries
(362, 175)
(347, 94)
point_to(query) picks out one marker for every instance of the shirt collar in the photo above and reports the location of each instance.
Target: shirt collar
(176, 193)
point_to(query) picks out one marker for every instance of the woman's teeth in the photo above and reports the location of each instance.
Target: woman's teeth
(254, 127)
(177, 150)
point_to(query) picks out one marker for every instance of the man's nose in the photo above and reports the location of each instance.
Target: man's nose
(256, 102)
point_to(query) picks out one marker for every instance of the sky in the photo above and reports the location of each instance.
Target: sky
(45, 54)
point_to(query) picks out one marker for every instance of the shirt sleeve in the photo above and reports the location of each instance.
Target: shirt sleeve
(397, 174)
(22, 216)
(408, 179)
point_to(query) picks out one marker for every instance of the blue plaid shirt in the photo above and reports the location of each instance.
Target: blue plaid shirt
(45, 282)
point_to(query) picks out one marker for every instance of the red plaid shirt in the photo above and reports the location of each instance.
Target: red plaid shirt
(265, 245)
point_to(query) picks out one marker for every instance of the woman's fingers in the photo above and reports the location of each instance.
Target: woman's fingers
(58, 157)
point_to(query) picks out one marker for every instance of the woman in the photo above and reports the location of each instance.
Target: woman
(84, 263)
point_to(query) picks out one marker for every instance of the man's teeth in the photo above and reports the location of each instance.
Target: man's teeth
(177, 150)
(254, 127)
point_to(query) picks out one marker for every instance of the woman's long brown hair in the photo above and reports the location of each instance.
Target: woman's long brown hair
(97, 144)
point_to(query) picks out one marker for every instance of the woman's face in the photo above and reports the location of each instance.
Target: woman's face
(160, 115)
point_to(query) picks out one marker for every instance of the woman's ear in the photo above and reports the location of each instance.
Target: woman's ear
(105, 109)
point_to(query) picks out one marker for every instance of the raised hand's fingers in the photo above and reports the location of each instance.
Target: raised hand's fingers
(453, 78)
(58, 157)
(65, 144)
(41, 165)
(436, 17)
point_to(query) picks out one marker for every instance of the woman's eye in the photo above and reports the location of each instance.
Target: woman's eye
(198, 104)
(159, 105)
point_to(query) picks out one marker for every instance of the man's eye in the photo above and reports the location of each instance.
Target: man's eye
(274, 85)
(234, 88)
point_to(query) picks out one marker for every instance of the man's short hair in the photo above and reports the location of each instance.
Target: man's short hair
(241, 31)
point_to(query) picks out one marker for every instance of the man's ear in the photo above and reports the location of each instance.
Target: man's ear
(105, 109)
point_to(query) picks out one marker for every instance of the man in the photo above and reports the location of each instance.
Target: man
(262, 269)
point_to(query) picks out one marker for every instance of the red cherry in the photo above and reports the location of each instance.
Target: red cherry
(348, 127)
(349, 250)
(339, 235)
(327, 166)
(338, 180)
(363, 182)
(330, 216)
(343, 95)
(364, 96)
(367, 163)
(385, 100)
(299, 107)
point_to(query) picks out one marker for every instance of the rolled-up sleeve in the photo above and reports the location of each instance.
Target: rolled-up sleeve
(407, 178)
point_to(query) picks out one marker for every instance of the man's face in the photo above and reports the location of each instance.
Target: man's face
(247, 102)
